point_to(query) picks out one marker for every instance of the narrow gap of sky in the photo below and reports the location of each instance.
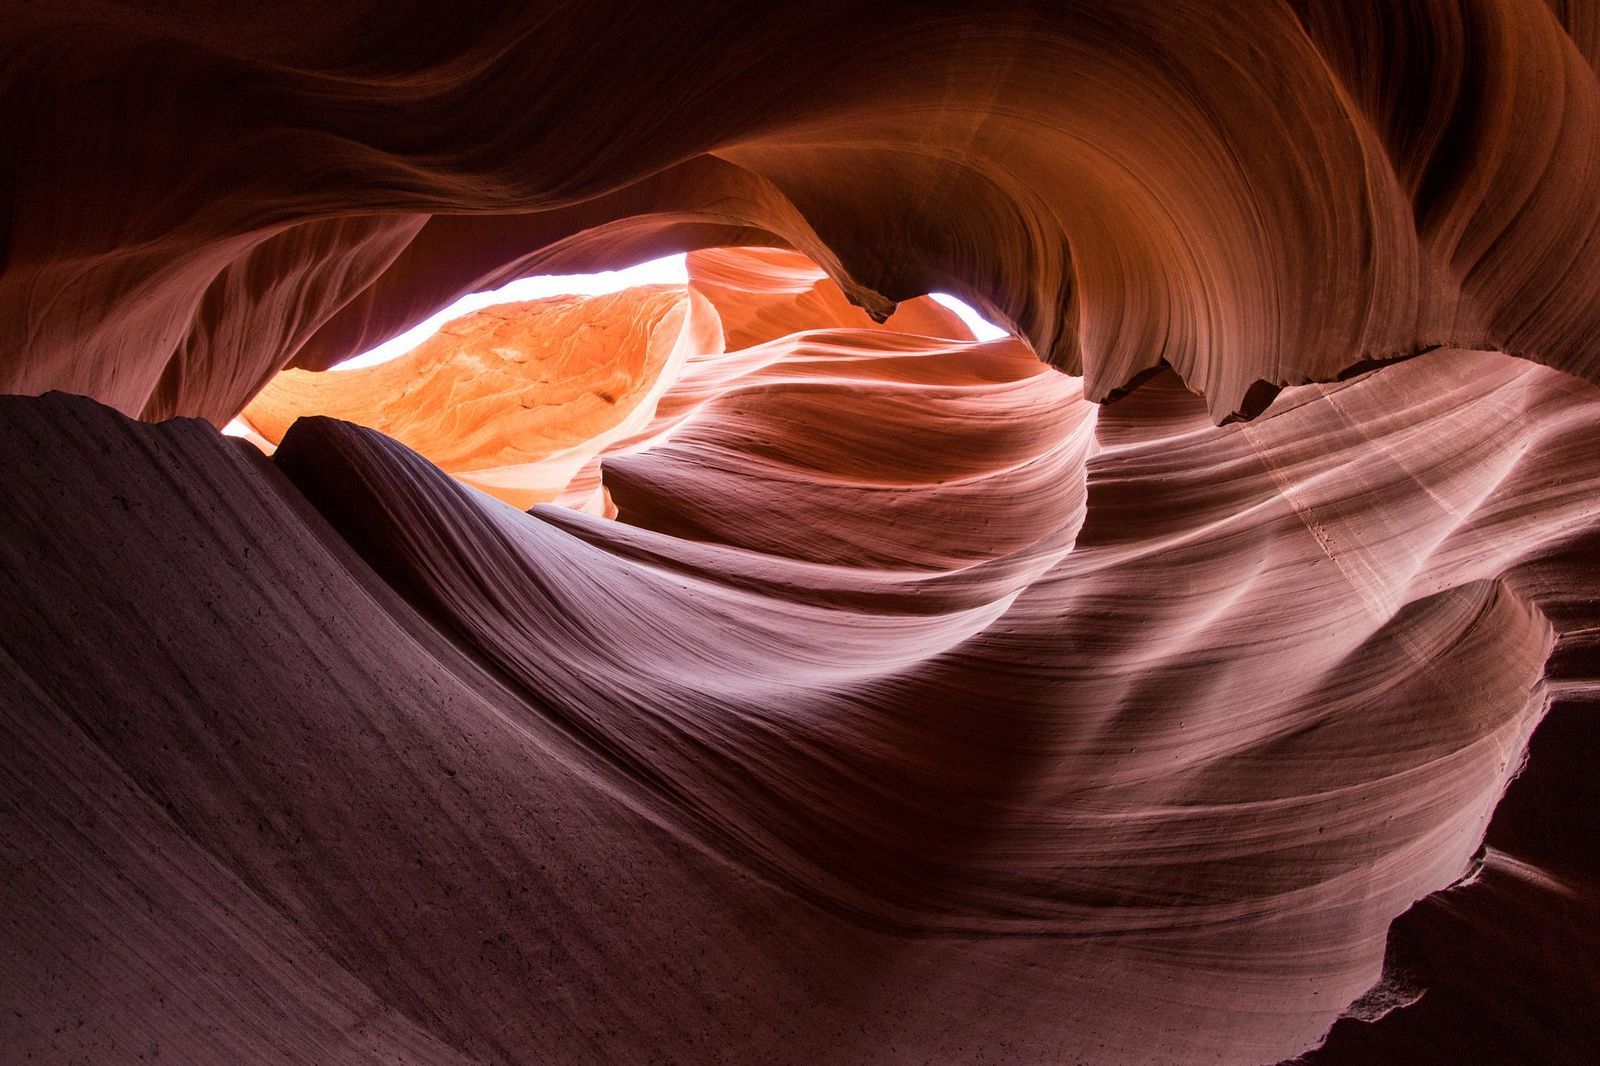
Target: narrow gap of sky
(666, 271)
(670, 270)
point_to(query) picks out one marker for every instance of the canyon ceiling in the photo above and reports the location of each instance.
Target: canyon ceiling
(761, 668)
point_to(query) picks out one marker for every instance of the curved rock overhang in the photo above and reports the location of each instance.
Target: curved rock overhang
(894, 702)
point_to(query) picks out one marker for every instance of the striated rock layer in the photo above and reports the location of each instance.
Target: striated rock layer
(1255, 196)
(878, 697)
(912, 710)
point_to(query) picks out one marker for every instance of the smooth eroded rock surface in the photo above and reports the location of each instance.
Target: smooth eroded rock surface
(824, 685)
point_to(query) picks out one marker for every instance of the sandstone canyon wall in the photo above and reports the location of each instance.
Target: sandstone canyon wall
(762, 669)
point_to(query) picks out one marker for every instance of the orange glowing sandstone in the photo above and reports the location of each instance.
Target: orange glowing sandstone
(514, 399)
(518, 399)
(766, 293)
(913, 709)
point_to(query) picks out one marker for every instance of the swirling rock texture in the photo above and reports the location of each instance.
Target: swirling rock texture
(881, 698)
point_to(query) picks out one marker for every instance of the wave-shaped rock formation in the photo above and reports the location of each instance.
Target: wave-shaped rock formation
(876, 695)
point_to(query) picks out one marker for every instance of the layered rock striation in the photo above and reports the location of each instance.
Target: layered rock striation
(764, 669)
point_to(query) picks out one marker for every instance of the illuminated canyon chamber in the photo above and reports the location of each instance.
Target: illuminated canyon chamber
(762, 668)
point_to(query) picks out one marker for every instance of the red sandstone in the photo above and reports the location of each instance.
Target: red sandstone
(895, 702)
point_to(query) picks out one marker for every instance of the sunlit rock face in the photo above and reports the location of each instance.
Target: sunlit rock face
(519, 399)
(763, 294)
(823, 685)
(514, 399)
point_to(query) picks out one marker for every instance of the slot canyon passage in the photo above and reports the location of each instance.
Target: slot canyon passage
(759, 667)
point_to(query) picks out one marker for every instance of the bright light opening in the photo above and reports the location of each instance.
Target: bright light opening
(981, 327)
(670, 270)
